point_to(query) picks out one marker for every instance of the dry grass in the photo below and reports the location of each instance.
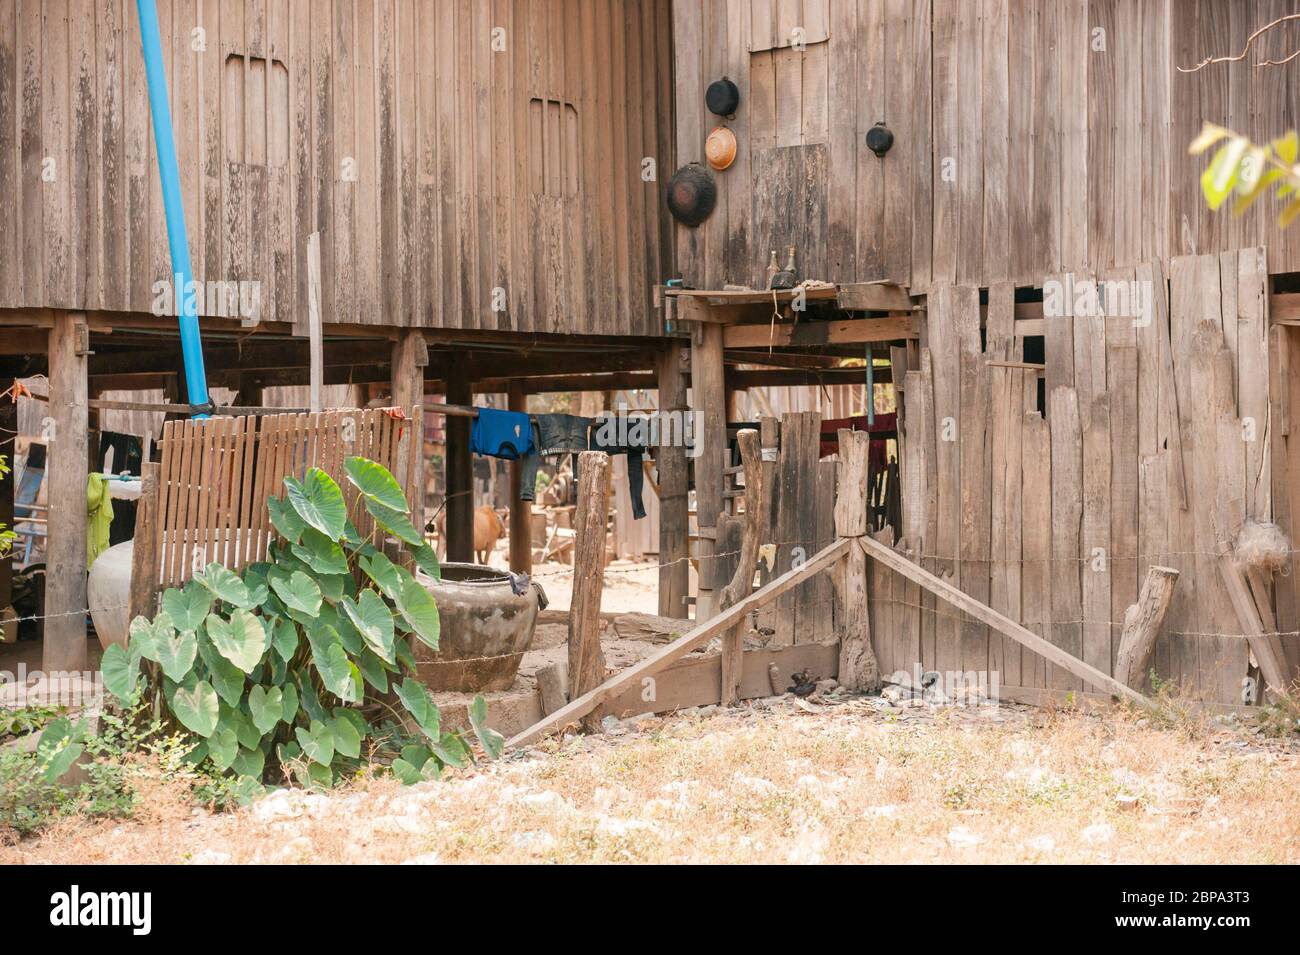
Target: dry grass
(851, 783)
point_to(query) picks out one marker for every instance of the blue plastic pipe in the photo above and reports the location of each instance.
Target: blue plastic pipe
(196, 379)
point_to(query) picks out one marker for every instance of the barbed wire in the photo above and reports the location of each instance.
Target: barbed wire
(966, 619)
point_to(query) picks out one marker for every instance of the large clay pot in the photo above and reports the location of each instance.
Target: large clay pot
(486, 627)
(108, 588)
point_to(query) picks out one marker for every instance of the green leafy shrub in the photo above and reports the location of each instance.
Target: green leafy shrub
(269, 670)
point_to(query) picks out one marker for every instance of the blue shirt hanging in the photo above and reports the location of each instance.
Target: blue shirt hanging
(501, 434)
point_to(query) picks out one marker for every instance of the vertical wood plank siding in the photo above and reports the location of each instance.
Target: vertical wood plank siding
(393, 127)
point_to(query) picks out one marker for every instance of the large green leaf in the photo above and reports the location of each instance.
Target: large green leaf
(249, 763)
(249, 736)
(347, 741)
(493, 742)
(336, 670)
(297, 590)
(320, 553)
(187, 607)
(59, 746)
(226, 678)
(415, 697)
(266, 707)
(226, 585)
(386, 574)
(241, 640)
(394, 522)
(121, 671)
(427, 560)
(289, 694)
(285, 639)
(451, 749)
(285, 519)
(310, 701)
(374, 621)
(144, 634)
(317, 742)
(175, 653)
(418, 609)
(223, 747)
(197, 707)
(376, 483)
(319, 502)
(372, 668)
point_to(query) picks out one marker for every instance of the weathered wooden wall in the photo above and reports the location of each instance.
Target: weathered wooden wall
(1031, 136)
(435, 168)
(1153, 448)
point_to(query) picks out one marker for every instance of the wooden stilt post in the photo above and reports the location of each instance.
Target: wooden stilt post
(708, 404)
(742, 582)
(586, 661)
(8, 427)
(521, 544)
(410, 356)
(858, 667)
(674, 519)
(460, 470)
(65, 581)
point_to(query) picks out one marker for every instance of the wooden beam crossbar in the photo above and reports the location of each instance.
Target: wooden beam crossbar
(701, 634)
(1005, 625)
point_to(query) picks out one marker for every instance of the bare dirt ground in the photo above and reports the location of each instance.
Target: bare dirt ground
(842, 780)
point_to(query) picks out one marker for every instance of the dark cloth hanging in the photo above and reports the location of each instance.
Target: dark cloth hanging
(128, 454)
(501, 434)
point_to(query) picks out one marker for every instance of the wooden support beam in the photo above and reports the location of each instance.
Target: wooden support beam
(1266, 647)
(742, 581)
(1142, 623)
(521, 543)
(583, 704)
(1005, 625)
(887, 329)
(316, 348)
(670, 459)
(874, 296)
(65, 548)
(459, 463)
(859, 669)
(410, 356)
(709, 409)
(586, 661)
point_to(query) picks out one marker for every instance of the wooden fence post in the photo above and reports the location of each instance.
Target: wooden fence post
(742, 582)
(144, 553)
(586, 661)
(1142, 623)
(858, 667)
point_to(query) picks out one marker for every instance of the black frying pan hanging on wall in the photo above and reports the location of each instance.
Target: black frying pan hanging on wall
(691, 194)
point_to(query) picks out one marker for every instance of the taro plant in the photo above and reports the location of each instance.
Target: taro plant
(288, 667)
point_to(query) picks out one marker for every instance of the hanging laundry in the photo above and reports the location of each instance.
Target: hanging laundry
(553, 434)
(630, 437)
(99, 510)
(501, 434)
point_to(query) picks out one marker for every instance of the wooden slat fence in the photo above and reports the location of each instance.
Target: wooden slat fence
(216, 475)
(1047, 493)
